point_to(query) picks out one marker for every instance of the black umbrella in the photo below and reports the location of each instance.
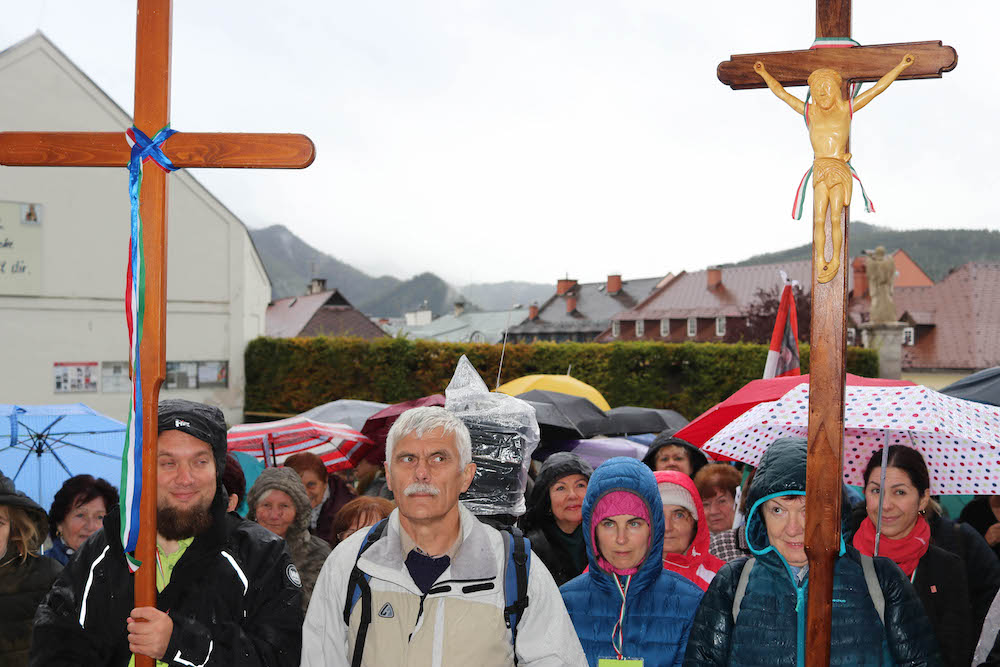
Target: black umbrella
(981, 387)
(633, 420)
(566, 417)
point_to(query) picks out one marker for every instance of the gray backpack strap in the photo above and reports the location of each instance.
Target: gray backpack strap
(874, 589)
(741, 588)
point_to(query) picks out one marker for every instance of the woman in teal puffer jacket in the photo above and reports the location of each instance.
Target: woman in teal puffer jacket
(770, 625)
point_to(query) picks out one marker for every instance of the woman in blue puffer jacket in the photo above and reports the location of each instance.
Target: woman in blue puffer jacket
(770, 624)
(626, 605)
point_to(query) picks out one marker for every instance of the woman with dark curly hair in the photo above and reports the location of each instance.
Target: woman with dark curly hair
(77, 511)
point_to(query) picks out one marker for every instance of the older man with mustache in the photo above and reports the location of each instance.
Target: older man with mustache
(435, 577)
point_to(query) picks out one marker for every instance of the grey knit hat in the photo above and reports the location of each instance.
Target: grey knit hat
(287, 480)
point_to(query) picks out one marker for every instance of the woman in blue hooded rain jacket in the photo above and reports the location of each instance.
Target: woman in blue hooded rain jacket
(770, 624)
(626, 605)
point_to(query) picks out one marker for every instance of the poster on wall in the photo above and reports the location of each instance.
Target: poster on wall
(181, 375)
(21, 248)
(75, 376)
(114, 377)
(213, 373)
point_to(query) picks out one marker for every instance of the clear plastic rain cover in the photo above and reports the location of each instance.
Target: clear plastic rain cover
(504, 434)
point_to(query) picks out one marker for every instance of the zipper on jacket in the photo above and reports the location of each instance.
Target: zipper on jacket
(800, 611)
(420, 615)
(800, 615)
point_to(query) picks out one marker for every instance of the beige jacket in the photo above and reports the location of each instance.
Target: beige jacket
(458, 624)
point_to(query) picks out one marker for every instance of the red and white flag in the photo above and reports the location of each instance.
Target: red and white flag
(783, 357)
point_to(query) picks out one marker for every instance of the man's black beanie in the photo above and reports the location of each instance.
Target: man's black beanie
(204, 422)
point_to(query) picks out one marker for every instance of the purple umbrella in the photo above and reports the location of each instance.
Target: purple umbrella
(595, 451)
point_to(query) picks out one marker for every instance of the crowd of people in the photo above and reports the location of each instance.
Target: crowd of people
(671, 560)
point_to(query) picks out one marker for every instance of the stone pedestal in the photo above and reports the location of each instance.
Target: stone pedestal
(887, 339)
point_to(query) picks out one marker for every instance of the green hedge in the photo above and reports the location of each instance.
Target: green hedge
(293, 375)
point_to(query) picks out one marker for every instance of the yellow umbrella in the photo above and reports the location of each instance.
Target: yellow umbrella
(564, 384)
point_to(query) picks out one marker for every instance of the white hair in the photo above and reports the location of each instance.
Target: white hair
(418, 421)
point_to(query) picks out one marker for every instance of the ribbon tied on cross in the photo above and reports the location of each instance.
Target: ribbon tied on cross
(143, 149)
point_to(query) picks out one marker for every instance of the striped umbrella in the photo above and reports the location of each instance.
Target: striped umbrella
(340, 446)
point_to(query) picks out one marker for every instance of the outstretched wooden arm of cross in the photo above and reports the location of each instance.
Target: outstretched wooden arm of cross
(185, 150)
(855, 64)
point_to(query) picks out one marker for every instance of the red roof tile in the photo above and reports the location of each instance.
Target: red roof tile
(957, 321)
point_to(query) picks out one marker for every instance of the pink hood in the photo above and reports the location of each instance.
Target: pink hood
(696, 563)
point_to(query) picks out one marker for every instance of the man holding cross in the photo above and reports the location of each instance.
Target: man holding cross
(228, 592)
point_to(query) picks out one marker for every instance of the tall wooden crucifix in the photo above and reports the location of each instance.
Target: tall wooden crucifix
(111, 149)
(832, 178)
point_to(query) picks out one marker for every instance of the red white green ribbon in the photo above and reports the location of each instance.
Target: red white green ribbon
(143, 149)
(833, 43)
(800, 192)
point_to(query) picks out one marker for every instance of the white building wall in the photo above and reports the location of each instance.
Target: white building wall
(217, 288)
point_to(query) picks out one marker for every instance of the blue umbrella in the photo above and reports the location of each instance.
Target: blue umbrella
(41, 446)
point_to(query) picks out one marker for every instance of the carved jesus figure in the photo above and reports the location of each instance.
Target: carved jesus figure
(828, 117)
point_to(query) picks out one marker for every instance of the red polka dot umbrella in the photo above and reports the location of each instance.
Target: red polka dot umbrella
(959, 439)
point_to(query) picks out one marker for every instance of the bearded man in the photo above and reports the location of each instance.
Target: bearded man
(228, 593)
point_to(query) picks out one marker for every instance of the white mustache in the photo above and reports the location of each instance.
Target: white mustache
(419, 487)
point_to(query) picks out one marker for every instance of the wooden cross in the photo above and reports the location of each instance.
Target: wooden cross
(824, 475)
(111, 149)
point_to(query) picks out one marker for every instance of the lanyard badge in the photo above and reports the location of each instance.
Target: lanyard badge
(618, 634)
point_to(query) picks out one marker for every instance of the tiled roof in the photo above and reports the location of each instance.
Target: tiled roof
(957, 320)
(342, 321)
(594, 307)
(322, 314)
(688, 295)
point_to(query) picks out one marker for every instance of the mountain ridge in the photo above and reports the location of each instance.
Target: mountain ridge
(291, 263)
(936, 251)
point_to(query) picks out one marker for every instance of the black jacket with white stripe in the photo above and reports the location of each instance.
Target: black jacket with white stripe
(234, 598)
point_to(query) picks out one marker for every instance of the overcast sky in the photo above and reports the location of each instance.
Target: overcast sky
(489, 140)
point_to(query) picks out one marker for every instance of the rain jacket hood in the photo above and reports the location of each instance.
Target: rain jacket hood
(781, 472)
(556, 467)
(696, 563)
(698, 457)
(625, 474)
(659, 605)
(13, 498)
